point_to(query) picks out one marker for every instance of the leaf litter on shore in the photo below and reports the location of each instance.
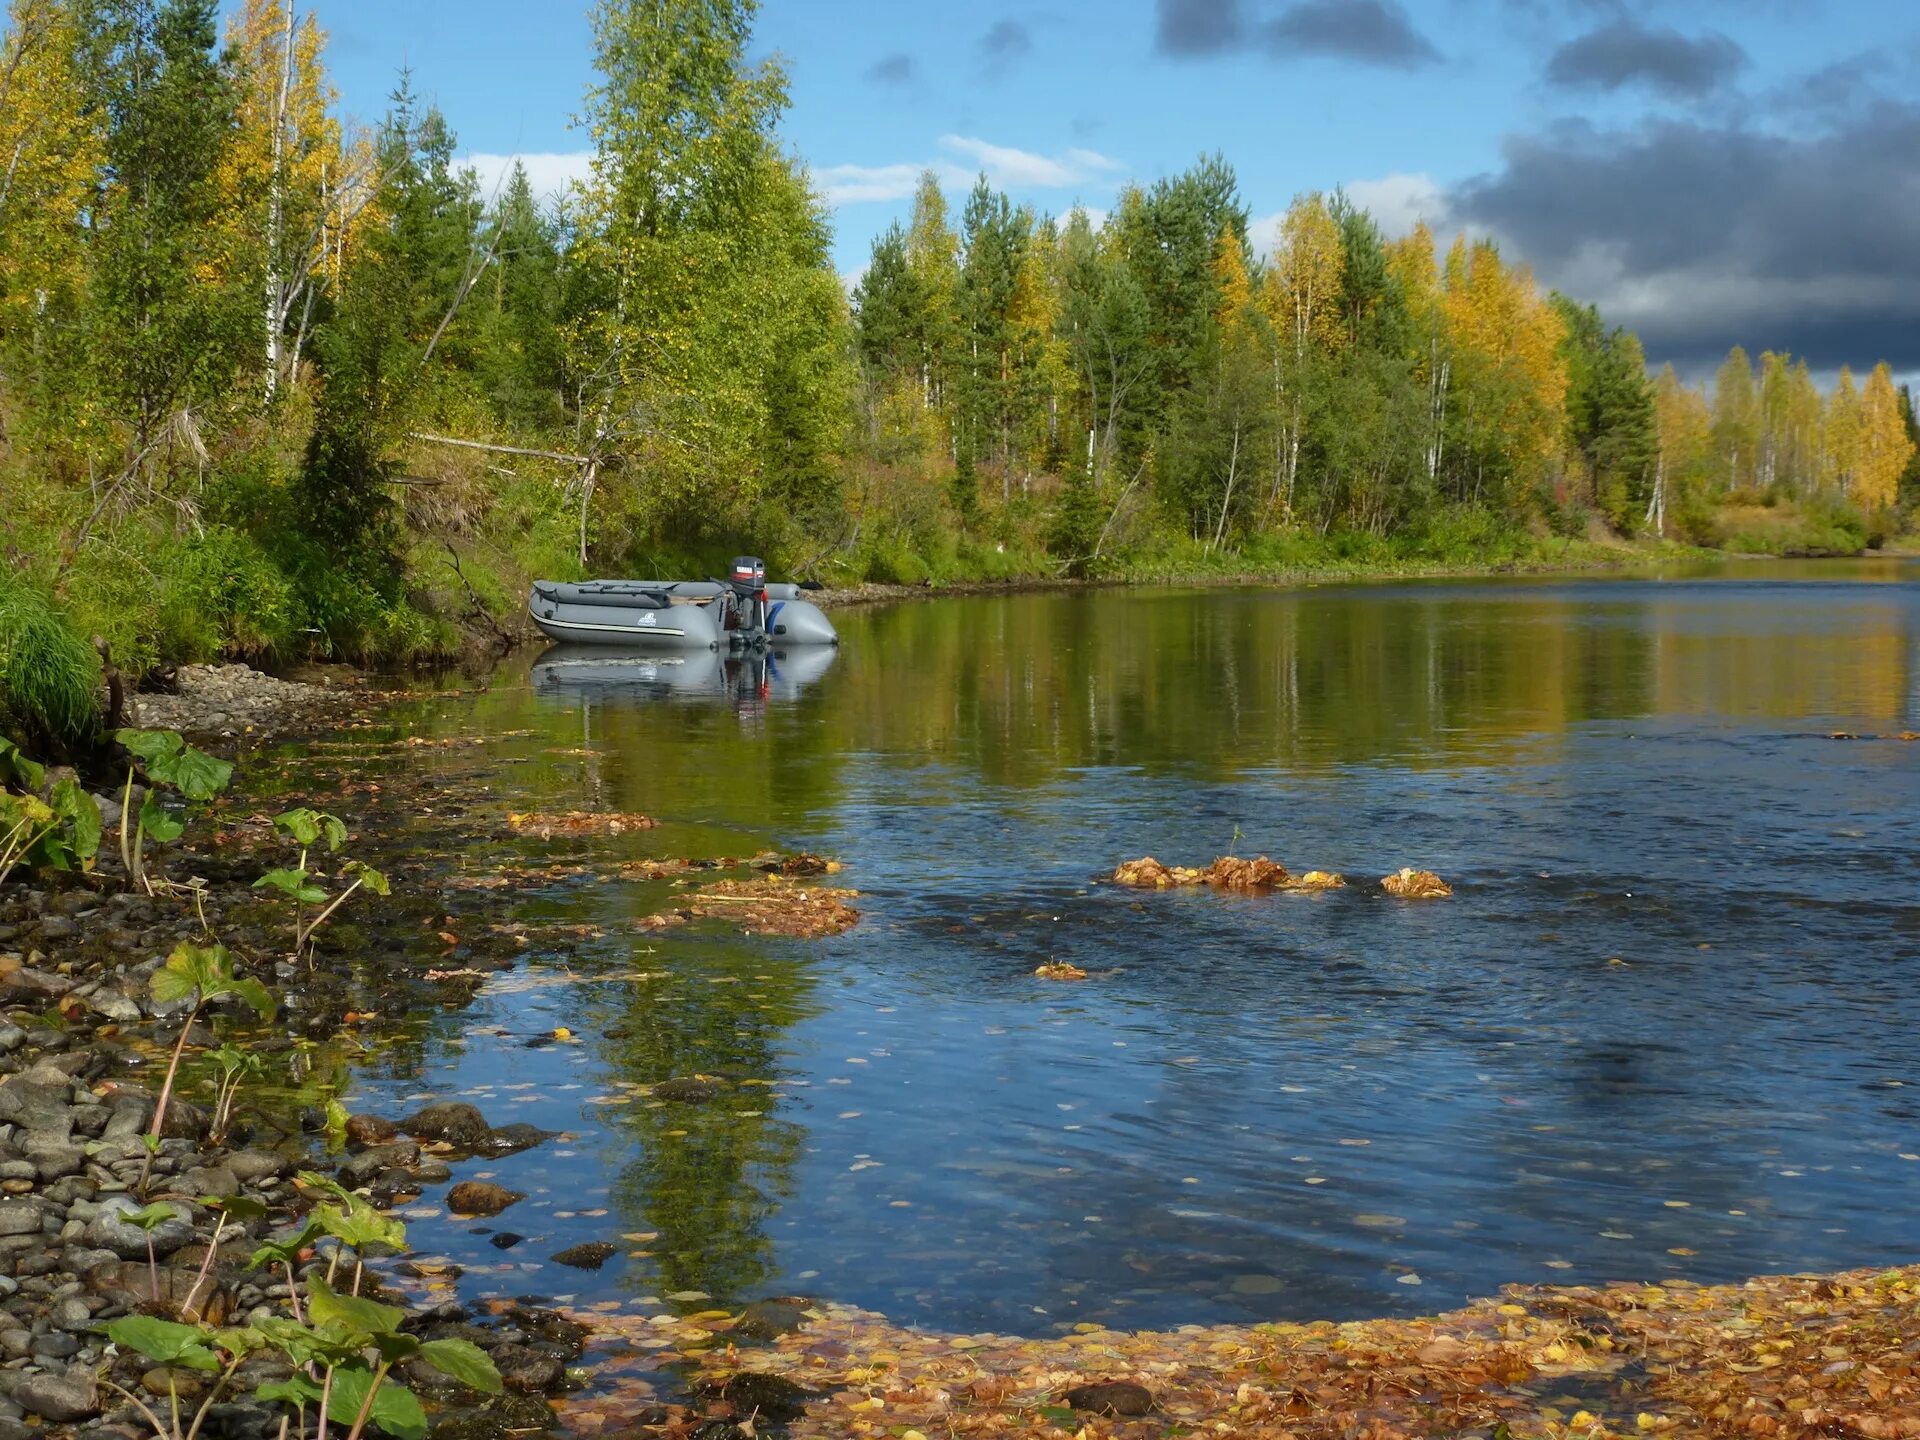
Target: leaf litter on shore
(1781, 1357)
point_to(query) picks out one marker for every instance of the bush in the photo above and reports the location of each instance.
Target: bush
(48, 674)
(225, 596)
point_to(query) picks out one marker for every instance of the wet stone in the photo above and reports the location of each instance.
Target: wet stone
(1111, 1397)
(770, 1319)
(453, 1121)
(510, 1139)
(505, 1240)
(371, 1130)
(590, 1256)
(773, 1397)
(527, 1369)
(479, 1197)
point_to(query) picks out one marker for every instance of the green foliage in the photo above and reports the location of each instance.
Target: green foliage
(307, 829)
(59, 832)
(48, 674)
(168, 763)
(205, 974)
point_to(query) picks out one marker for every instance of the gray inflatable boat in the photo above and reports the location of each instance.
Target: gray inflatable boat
(742, 612)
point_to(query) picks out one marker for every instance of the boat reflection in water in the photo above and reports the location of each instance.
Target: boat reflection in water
(695, 677)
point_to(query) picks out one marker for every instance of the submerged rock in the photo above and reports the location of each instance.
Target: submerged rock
(770, 1397)
(770, 1319)
(691, 1089)
(511, 1139)
(481, 1197)
(453, 1121)
(590, 1256)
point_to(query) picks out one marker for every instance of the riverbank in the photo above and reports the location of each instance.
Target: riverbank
(1570, 558)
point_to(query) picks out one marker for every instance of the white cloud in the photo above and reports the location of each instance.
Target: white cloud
(1397, 203)
(848, 184)
(1400, 201)
(550, 173)
(1006, 167)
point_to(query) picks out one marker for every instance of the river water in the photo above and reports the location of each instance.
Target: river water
(1664, 1028)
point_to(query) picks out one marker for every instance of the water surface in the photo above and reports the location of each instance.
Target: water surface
(1663, 1029)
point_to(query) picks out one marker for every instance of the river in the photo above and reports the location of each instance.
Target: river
(1663, 1029)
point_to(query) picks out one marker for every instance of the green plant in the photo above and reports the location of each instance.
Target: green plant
(309, 829)
(343, 1347)
(48, 674)
(146, 1220)
(202, 974)
(236, 1067)
(168, 762)
(61, 832)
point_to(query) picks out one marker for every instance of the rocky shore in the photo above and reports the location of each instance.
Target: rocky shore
(83, 1052)
(228, 701)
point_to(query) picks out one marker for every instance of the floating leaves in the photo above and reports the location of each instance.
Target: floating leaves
(1256, 876)
(1060, 970)
(769, 905)
(577, 822)
(1789, 1358)
(1409, 884)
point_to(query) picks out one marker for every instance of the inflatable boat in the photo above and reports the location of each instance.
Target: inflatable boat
(742, 612)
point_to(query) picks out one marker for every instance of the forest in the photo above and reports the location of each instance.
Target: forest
(274, 387)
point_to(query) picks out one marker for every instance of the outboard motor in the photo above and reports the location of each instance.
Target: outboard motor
(747, 612)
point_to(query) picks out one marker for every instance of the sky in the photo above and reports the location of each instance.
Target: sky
(1709, 172)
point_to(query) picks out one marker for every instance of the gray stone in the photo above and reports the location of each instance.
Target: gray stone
(361, 1169)
(21, 1217)
(12, 1037)
(128, 1120)
(209, 1180)
(53, 1157)
(251, 1166)
(62, 1399)
(120, 1009)
(70, 1314)
(110, 1231)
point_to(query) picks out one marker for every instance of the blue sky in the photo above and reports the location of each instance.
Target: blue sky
(1709, 172)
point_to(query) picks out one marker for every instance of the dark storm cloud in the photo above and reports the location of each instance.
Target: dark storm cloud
(894, 69)
(1628, 53)
(1375, 32)
(1199, 27)
(1005, 43)
(1370, 32)
(1701, 236)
